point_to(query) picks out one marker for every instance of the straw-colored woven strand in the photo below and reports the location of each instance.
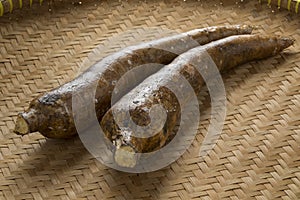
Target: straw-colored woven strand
(291, 5)
(257, 156)
(9, 5)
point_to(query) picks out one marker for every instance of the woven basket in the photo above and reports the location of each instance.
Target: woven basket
(256, 157)
(7, 6)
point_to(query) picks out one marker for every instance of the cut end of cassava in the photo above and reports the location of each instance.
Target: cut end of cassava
(27, 122)
(22, 127)
(125, 156)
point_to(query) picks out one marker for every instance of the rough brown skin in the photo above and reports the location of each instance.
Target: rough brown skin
(51, 112)
(226, 53)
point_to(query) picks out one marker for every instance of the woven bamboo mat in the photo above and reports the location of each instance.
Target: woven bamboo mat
(257, 156)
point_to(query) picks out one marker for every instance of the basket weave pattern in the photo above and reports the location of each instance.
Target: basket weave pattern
(257, 156)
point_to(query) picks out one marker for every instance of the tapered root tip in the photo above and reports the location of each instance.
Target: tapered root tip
(247, 29)
(125, 156)
(285, 42)
(22, 127)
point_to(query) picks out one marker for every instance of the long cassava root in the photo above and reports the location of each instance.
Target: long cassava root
(51, 112)
(226, 53)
